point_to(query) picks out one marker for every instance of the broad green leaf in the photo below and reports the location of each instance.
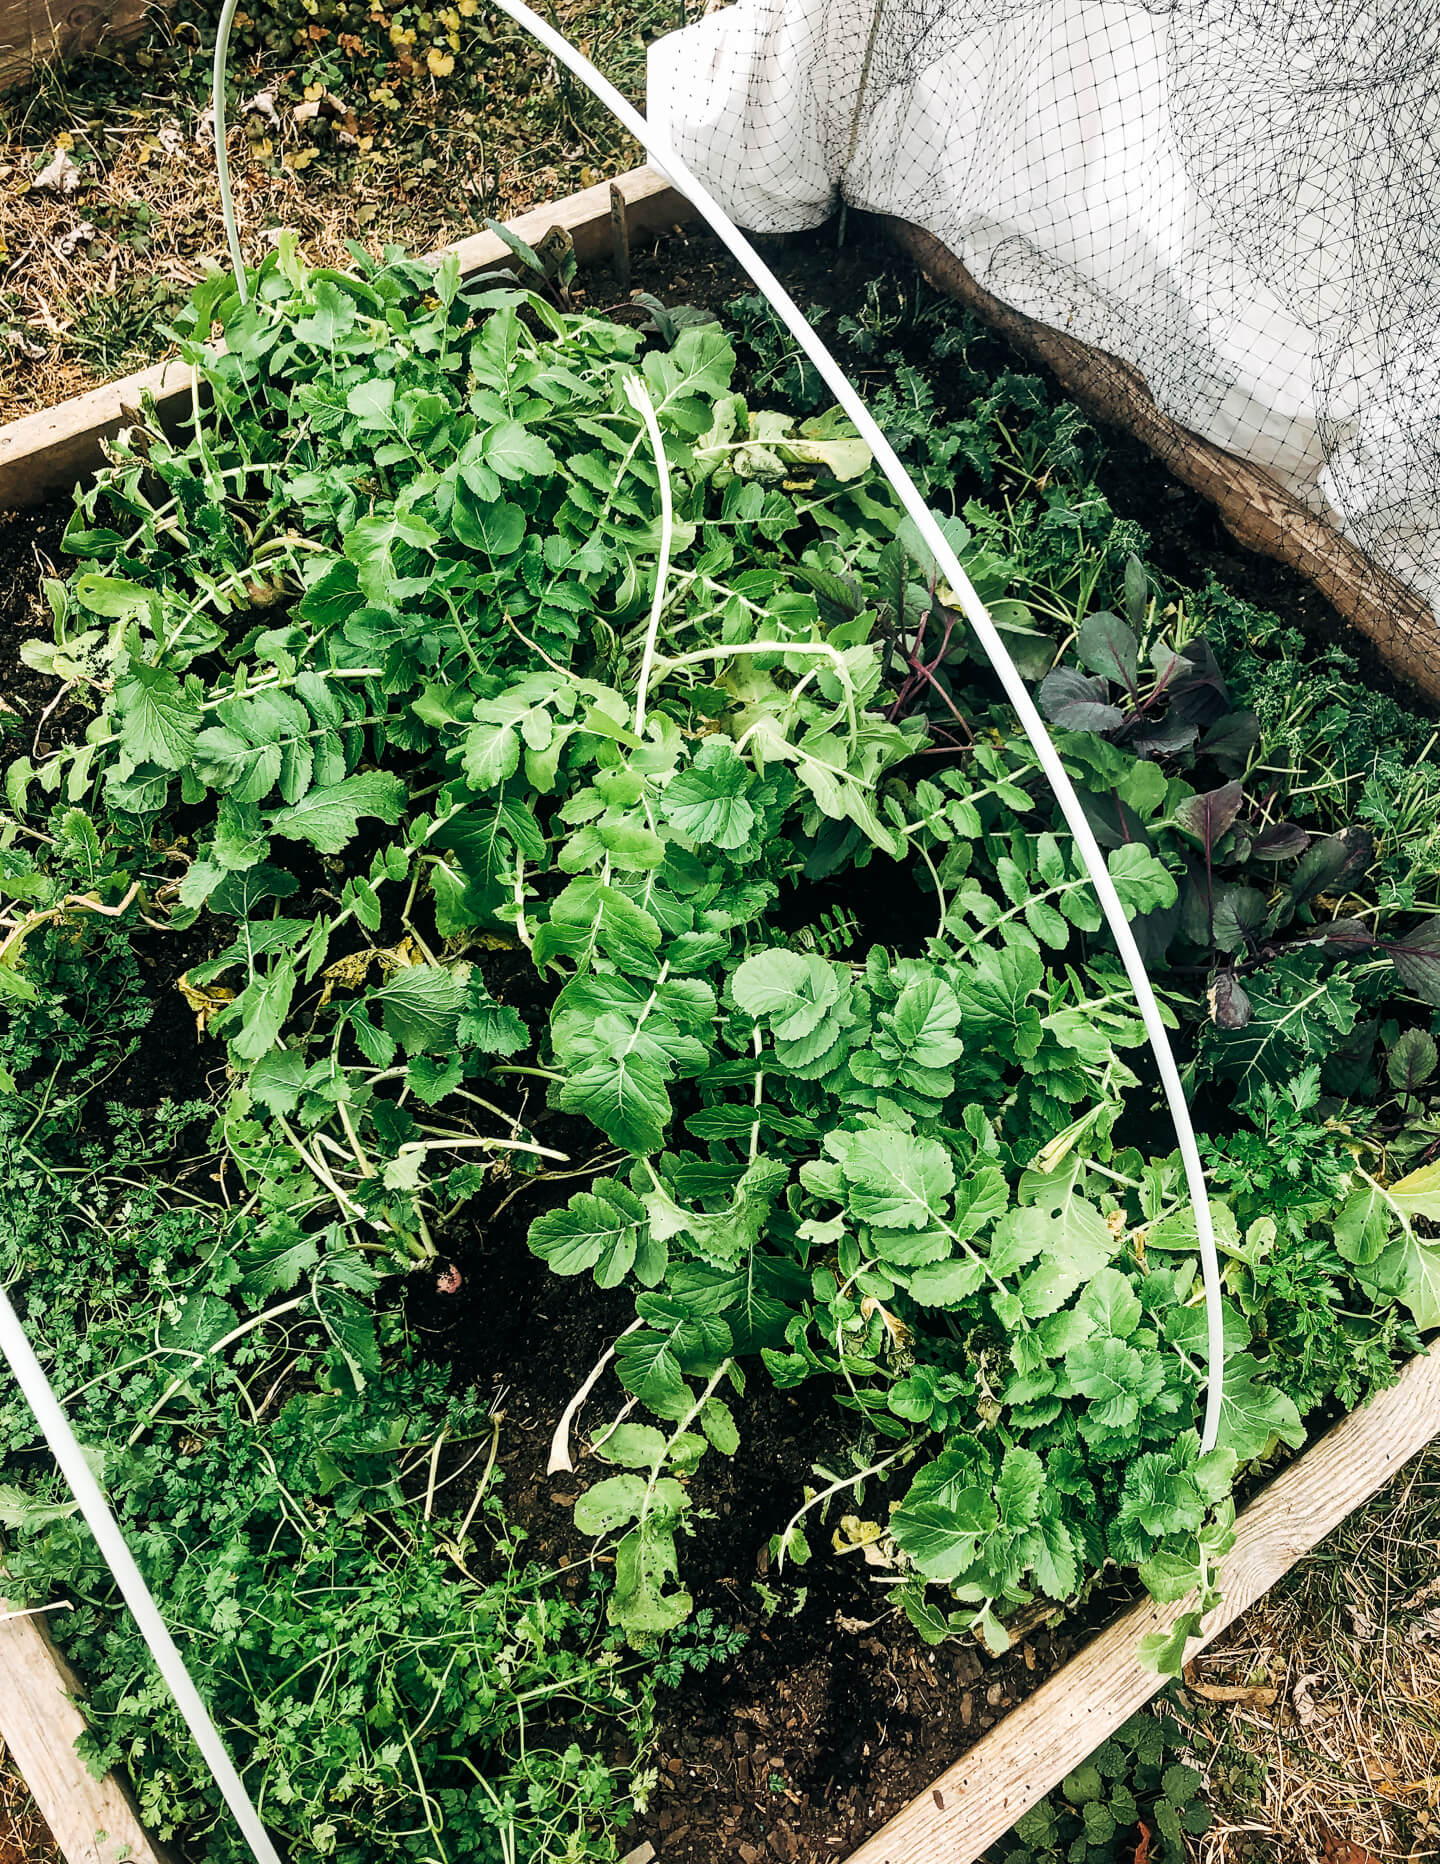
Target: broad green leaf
(258, 1014)
(159, 717)
(598, 1229)
(115, 598)
(647, 1366)
(278, 1260)
(372, 543)
(686, 381)
(421, 1005)
(495, 526)
(993, 990)
(1018, 1488)
(1409, 1271)
(1112, 1376)
(718, 1423)
(1069, 1236)
(925, 1023)
(895, 1180)
(1297, 1016)
(1049, 1550)
(493, 1028)
(1255, 1413)
(636, 1446)
(943, 1537)
(351, 1327)
(327, 818)
(793, 990)
(277, 1078)
(329, 323)
(511, 450)
(708, 802)
(1141, 879)
(1417, 1194)
(946, 1284)
(610, 1504)
(491, 753)
(645, 1561)
(624, 1095)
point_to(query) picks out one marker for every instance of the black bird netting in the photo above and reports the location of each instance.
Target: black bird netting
(1236, 201)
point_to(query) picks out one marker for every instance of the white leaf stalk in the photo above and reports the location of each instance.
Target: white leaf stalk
(222, 156)
(639, 397)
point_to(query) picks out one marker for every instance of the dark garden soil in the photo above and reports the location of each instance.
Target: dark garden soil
(834, 1714)
(29, 551)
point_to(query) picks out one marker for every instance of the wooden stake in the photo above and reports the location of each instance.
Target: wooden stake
(32, 32)
(976, 1801)
(620, 238)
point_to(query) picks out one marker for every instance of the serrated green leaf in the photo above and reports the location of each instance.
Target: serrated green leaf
(159, 718)
(328, 818)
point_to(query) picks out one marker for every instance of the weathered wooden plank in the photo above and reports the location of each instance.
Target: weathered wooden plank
(978, 1799)
(92, 1821)
(32, 31)
(1253, 506)
(45, 453)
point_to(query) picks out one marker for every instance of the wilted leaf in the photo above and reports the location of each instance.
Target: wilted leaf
(1229, 1005)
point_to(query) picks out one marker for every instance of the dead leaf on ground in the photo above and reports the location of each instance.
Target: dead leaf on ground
(1341, 1851)
(60, 175)
(1305, 1706)
(171, 138)
(262, 104)
(1426, 1628)
(1422, 1596)
(1361, 1612)
(70, 243)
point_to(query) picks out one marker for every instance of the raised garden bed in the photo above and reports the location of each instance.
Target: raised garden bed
(844, 1709)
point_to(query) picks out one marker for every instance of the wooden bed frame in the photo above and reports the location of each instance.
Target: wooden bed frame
(34, 31)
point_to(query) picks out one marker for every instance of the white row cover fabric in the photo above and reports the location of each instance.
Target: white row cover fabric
(1240, 198)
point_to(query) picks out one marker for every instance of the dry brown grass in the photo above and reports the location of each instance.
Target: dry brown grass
(64, 300)
(24, 1836)
(1343, 1766)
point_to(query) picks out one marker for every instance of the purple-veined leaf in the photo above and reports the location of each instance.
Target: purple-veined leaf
(1416, 959)
(1278, 841)
(1211, 814)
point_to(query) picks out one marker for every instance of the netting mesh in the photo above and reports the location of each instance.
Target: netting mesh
(1237, 200)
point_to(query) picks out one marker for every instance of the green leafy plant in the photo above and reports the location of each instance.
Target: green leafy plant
(1133, 1802)
(491, 705)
